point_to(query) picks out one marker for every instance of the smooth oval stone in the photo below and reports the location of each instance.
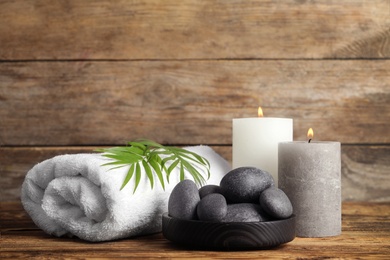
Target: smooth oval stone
(276, 203)
(183, 200)
(245, 184)
(245, 212)
(212, 207)
(209, 189)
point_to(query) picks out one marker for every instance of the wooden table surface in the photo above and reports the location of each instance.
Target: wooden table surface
(366, 234)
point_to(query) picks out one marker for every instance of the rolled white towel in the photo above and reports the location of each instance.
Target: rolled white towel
(75, 195)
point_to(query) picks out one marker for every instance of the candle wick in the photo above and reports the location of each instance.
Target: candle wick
(309, 140)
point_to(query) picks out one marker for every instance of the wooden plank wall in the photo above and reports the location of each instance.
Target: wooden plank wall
(76, 75)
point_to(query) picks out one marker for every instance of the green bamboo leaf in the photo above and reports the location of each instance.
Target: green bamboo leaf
(135, 150)
(124, 150)
(203, 160)
(196, 158)
(172, 166)
(156, 167)
(120, 153)
(166, 159)
(156, 159)
(115, 163)
(137, 176)
(181, 172)
(180, 153)
(198, 177)
(116, 167)
(137, 147)
(150, 143)
(128, 176)
(148, 173)
(201, 167)
(193, 159)
(208, 173)
(124, 159)
(163, 151)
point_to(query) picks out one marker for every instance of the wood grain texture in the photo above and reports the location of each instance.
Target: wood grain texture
(150, 29)
(190, 102)
(366, 234)
(228, 236)
(364, 169)
(365, 172)
(75, 74)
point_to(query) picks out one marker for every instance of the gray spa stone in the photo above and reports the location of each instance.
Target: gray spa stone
(245, 212)
(209, 189)
(212, 207)
(245, 184)
(183, 200)
(276, 203)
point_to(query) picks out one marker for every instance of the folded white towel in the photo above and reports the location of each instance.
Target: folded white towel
(75, 195)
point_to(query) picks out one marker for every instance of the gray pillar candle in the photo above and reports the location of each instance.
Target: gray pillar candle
(310, 175)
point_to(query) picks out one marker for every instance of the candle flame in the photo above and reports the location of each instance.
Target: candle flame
(310, 133)
(260, 112)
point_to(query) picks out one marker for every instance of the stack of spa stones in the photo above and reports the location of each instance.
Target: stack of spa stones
(245, 194)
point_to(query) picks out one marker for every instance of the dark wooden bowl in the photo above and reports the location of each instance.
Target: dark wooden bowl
(228, 236)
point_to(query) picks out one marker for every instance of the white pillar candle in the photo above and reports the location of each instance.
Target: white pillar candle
(255, 142)
(310, 175)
